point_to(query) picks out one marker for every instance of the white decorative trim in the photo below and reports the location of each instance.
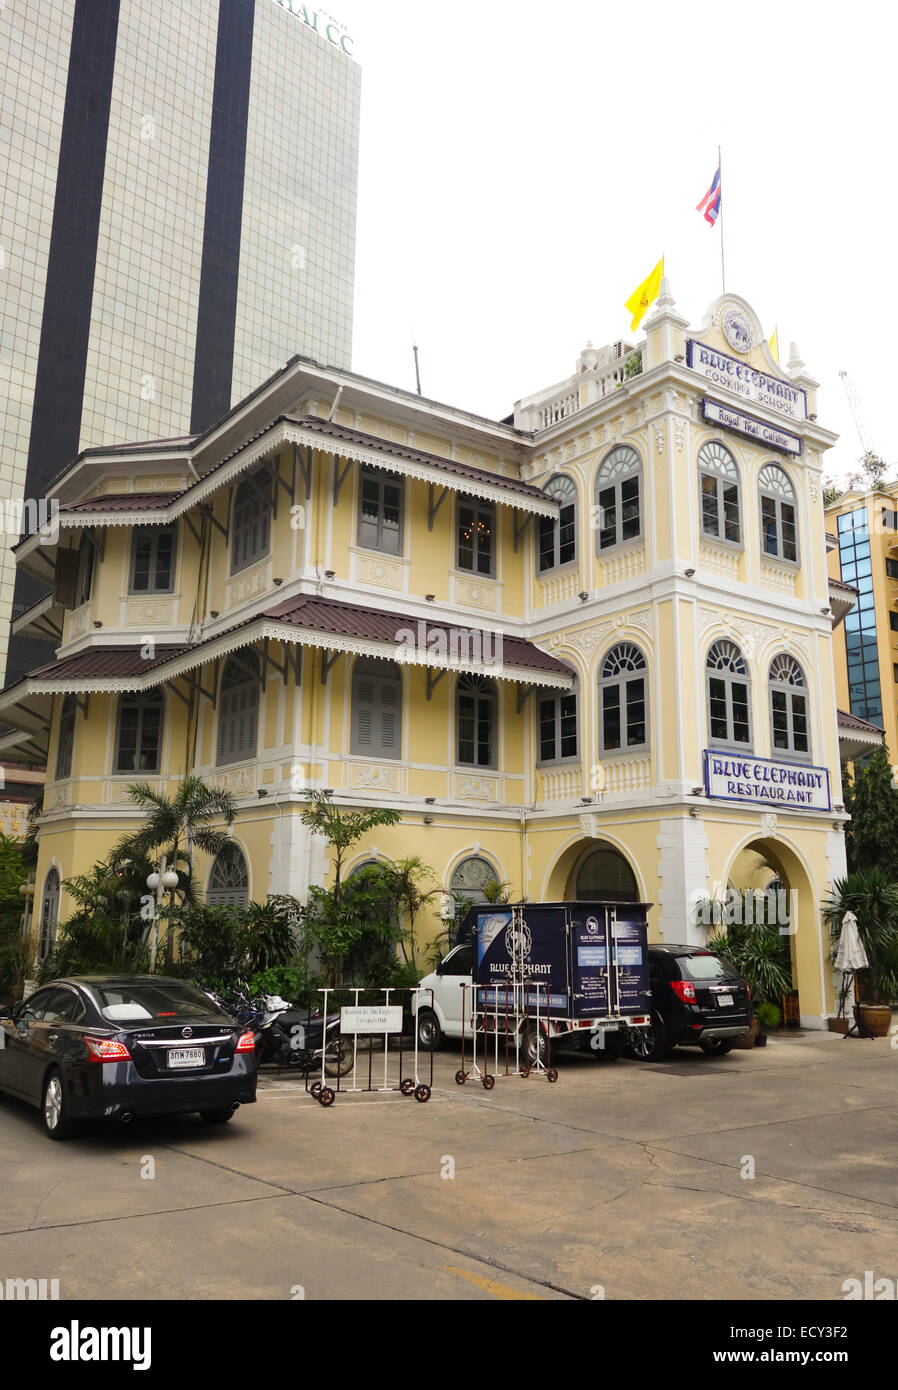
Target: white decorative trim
(644, 619)
(589, 638)
(469, 788)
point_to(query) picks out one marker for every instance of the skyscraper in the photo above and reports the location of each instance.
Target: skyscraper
(178, 219)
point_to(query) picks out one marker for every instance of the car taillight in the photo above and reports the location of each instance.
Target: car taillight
(684, 990)
(246, 1043)
(102, 1050)
(747, 992)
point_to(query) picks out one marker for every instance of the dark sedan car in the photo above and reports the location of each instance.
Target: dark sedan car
(112, 1047)
(698, 999)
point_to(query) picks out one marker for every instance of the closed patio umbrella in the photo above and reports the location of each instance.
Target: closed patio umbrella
(850, 957)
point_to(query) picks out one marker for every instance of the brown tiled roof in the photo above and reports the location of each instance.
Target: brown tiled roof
(122, 502)
(851, 721)
(379, 625)
(343, 434)
(104, 661)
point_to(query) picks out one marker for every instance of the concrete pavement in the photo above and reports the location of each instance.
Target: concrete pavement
(624, 1181)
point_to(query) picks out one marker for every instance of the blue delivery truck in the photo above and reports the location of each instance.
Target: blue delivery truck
(563, 974)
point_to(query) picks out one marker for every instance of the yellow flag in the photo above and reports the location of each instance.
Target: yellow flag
(774, 345)
(647, 293)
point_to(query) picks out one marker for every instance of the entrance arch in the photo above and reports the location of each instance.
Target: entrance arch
(764, 863)
(594, 869)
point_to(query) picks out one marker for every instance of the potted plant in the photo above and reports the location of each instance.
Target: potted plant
(873, 899)
(769, 1017)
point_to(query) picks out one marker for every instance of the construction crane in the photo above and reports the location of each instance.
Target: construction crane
(854, 401)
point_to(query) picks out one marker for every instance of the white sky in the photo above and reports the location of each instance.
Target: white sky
(524, 165)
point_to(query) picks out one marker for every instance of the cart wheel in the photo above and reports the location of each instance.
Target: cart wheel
(488, 1082)
(460, 1078)
(552, 1074)
(326, 1096)
(407, 1086)
(525, 1072)
(315, 1089)
(423, 1094)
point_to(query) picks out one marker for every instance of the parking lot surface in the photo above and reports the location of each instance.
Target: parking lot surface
(762, 1174)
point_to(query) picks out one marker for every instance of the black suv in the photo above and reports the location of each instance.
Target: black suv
(698, 999)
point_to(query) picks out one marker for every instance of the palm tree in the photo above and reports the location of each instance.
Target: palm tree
(873, 898)
(174, 827)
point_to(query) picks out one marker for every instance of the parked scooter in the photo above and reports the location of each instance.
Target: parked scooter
(290, 1036)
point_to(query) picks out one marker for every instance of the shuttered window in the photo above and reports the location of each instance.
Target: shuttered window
(229, 879)
(66, 739)
(238, 719)
(251, 526)
(376, 709)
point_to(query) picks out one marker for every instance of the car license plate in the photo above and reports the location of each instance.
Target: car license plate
(724, 1001)
(186, 1057)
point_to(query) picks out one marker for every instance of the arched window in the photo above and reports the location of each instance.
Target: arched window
(238, 718)
(605, 875)
(475, 721)
(558, 539)
(49, 914)
(789, 731)
(779, 530)
(229, 879)
(251, 524)
(138, 746)
(718, 479)
(66, 743)
(618, 486)
(376, 725)
(623, 712)
(470, 881)
(729, 712)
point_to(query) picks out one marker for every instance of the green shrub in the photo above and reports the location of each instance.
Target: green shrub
(769, 1016)
(95, 944)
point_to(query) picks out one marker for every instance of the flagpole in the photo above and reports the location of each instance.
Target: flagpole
(723, 273)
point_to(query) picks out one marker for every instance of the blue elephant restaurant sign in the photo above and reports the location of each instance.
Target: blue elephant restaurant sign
(740, 777)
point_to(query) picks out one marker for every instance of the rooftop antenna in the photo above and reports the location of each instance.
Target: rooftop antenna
(417, 368)
(854, 401)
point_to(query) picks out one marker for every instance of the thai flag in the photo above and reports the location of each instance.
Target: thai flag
(710, 204)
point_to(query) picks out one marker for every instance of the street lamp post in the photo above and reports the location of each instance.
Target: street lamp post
(160, 883)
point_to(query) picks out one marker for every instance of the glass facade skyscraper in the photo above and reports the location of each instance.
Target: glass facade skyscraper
(178, 220)
(862, 653)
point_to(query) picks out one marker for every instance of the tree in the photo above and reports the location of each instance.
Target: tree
(872, 895)
(174, 827)
(404, 883)
(871, 836)
(337, 918)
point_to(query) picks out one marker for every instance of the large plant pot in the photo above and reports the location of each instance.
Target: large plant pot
(876, 1018)
(838, 1025)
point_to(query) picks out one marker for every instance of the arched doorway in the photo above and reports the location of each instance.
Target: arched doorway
(603, 873)
(785, 900)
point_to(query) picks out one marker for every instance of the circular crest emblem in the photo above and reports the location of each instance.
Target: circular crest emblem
(737, 329)
(592, 925)
(518, 941)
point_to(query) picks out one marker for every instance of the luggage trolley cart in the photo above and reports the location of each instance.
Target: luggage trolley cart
(516, 1007)
(374, 1022)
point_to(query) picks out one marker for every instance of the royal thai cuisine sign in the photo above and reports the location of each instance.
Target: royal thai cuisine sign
(745, 380)
(736, 420)
(740, 777)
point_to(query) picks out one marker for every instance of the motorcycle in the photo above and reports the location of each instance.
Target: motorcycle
(292, 1037)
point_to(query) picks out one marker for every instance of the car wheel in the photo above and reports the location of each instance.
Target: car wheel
(430, 1034)
(716, 1047)
(535, 1047)
(216, 1117)
(55, 1108)
(650, 1044)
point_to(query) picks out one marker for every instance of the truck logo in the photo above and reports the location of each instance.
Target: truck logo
(518, 941)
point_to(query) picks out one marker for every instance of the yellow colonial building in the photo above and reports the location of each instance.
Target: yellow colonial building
(586, 650)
